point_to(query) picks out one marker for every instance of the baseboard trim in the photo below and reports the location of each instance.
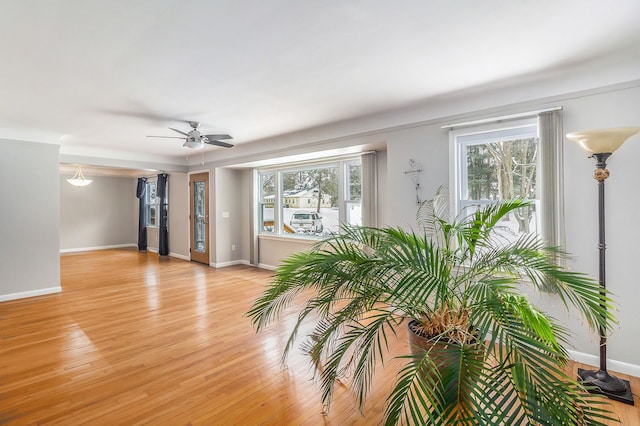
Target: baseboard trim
(32, 293)
(230, 263)
(150, 249)
(265, 266)
(179, 256)
(612, 364)
(81, 249)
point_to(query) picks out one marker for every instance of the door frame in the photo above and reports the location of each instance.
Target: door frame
(208, 213)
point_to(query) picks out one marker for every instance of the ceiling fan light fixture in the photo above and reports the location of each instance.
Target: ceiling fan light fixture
(194, 144)
(196, 140)
(78, 179)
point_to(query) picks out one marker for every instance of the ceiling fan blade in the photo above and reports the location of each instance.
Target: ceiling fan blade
(168, 137)
(218, 137)
(219, 143)
(179, 131)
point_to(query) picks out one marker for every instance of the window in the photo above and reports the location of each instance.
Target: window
(513, 159)
(315, 190)
(266, 201)
(310, 200)
(498, 163)
(151, 204)
(353, 191)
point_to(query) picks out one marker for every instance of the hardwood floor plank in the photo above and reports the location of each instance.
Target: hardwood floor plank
(138, 339)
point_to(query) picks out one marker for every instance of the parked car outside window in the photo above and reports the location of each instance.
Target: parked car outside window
(304, 221)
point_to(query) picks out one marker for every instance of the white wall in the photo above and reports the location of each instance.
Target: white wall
(98, 215)
(29, 219)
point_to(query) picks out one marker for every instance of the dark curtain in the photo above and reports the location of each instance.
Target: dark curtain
(142, 223)
(163, 233)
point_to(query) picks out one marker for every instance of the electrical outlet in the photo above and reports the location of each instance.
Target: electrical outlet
(233, 247)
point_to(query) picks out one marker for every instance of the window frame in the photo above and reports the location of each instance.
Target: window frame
(341, 163)
(347, 182)
(473, 133)
(148, 204)
(157, 207)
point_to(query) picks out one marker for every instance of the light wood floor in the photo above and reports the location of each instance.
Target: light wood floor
(136, 339)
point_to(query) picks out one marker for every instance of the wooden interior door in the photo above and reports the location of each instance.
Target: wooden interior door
(199, 217)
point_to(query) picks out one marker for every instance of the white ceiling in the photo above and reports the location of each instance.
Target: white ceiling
(99, 76)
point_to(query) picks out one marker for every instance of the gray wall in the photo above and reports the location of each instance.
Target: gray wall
(98, 215)
(29, 219)
(381, 193)
(179, 215)
(228, 215)
(246, 205)
(272, 250)
(178, 186)
(608, 107)
(30, 225)
(428, 143)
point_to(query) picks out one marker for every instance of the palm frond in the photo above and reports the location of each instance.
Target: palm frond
(360, 284)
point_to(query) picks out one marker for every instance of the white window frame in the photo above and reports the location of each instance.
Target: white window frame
(156, 203)
(461, 138)
(343, 203)
(348, 201)
(147, 204)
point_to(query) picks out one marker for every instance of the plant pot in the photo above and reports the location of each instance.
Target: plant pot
(420, 344)
(446, 356)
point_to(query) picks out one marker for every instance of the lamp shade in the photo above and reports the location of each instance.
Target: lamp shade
(193, 144)
(604, 140)
(78, 179)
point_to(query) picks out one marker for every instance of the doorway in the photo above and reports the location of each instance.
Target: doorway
(199, 217)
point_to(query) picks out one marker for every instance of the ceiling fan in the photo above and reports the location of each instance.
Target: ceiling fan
(196, 140)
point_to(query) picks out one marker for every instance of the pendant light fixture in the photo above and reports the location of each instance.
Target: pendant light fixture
(78, 179)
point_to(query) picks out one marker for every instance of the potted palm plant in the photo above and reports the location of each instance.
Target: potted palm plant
(480, 352)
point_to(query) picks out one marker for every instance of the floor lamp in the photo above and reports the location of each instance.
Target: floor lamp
(601, 144)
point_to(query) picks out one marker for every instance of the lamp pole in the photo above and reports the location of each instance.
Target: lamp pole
(601, 174)
(601, 144)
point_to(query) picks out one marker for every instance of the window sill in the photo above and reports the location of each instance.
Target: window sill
(300, 239)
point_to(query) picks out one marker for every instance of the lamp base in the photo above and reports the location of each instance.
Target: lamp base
(610, 386)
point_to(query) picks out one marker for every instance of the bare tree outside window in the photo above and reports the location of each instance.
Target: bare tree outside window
(322, 180)
(267, 200)
(496, 163)
(504, 170)
(354, 181)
